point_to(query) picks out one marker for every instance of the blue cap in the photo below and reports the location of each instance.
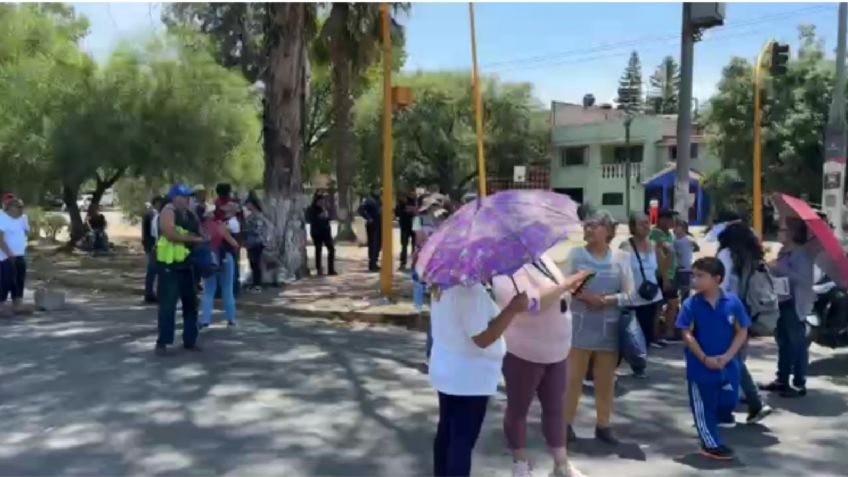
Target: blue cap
(179, 190)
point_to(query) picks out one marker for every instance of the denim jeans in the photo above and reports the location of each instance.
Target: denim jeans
(224, 278)
(460, 421)
(177, 284)
(792, 353)
(150, 275)
(746, 381)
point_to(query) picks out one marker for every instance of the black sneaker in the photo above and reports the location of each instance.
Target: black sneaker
(150, 300)
(571, 436)
(728, 424)
(717, 453)
(793, 392)
(605, 435)
(641, 374)
(160, 350)
(192, 348)
(774, 387)
(757, 414)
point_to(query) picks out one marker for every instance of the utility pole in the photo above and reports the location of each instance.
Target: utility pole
(628, 158)
(387, 234)
(684, 114)
(696, 17)
(833, 191)
(478, 106)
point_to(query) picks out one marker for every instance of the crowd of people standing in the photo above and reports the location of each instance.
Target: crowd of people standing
(545, 328)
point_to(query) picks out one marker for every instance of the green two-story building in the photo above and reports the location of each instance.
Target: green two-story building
(589, 153)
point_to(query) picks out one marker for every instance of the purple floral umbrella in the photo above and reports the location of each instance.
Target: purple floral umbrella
(495, 235)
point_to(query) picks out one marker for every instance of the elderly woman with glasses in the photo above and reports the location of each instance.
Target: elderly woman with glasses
(596, 311)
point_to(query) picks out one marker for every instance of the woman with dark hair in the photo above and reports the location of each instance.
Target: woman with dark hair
(318, 216)
(256, 227)
(795, 265)
(740, 250)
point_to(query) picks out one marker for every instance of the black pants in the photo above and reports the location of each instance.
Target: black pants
(460, 420)
(12, 278)
(372, 233)
(407, 238)
(177, 284)
(254, 256)
(647, 315)
(320, 242)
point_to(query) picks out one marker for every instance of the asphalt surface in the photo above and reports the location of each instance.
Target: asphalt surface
(83, 394)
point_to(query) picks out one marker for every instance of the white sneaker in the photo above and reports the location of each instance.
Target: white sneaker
(568, 471)
(522, 468)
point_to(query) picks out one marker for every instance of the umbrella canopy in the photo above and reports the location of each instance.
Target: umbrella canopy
(495, 235)
(830, 257)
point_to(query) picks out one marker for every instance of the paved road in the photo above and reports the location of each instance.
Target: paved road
(82, 393)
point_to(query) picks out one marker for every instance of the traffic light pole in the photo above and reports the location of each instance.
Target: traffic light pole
(757, 177)
(833, 191)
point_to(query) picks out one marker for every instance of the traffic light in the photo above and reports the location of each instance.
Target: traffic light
(779, 59)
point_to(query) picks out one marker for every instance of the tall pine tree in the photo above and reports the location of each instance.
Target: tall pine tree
(630, 96)
(665, 86)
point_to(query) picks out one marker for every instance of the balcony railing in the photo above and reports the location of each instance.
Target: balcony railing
(615, 171)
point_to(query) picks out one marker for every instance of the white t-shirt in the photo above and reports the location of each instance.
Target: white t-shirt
(233, 225)
(458, 366)
(14, 234)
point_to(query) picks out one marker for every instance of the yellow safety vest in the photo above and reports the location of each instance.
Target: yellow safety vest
(168, 252)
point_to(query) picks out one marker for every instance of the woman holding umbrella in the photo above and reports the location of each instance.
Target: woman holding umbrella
(495, 235)
(795, 265)
(596, 312)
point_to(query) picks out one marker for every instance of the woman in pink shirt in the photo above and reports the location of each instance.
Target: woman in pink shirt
(537, 344)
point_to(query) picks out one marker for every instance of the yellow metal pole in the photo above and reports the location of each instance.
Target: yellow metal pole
(387, 260)
(757, 162)
(478, 106)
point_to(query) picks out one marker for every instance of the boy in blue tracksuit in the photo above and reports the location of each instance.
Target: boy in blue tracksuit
(714, 325)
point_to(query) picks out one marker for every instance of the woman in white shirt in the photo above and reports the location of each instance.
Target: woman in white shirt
(14, 227)
(465, 368)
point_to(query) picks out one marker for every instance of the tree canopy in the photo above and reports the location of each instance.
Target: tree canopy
(795, 109)
(630, 96)
(160, 109)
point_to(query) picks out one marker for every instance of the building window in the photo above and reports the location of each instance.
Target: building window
(636, 153)
(612, 198)
(572, 156)
(693, 151)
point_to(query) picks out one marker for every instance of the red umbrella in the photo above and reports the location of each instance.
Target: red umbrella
(835, 264)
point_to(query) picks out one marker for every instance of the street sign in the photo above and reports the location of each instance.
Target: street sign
(519, 174)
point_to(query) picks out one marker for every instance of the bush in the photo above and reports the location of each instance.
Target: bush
(36, 222)
(54, 224)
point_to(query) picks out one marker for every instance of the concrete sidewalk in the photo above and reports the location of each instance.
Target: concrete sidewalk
(353, 295)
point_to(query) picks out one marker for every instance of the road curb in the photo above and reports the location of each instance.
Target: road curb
(410, 320)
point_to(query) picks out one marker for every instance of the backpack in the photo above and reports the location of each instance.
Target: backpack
(756, 289)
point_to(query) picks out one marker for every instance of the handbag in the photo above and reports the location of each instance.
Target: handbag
(647, 290)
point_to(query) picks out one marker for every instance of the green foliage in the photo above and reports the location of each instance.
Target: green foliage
(54, 224)
(630, 97)
(435, 140)
(665, 87)
(161, 108)
(795, 108)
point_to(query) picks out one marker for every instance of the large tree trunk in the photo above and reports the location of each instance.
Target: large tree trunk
(283, 141)
(77, 228)
(342, 137)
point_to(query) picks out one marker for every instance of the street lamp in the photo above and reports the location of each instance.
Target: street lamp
(628, 120)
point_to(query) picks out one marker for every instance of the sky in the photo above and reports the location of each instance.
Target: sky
(565, 50)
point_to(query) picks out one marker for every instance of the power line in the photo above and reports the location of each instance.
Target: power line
(530, 61)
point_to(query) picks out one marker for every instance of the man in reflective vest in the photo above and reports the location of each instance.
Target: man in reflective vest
(179, 229)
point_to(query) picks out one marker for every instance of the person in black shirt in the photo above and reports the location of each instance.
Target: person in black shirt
(149, 234)
(97, 224)
(318, 215)
(405, 213)
(370, 211)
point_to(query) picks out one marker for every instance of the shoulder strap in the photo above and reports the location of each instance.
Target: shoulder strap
(638, 258)
(543, 269)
